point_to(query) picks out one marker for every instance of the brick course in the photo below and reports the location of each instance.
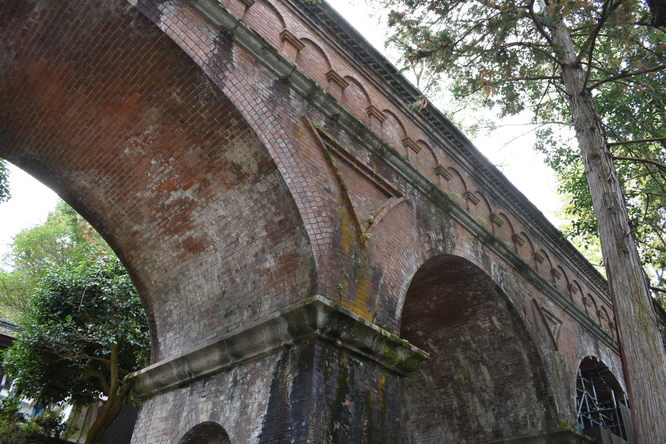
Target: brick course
(170, 127)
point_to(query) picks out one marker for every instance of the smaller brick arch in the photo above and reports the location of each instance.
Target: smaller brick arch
(267, 20)
(356, 98)
(560, 278)
(456, 185)
(591, 307)
(314, 61)
(576, 293)
(478, 206)
(526, 249)
(237, 7)
(426, 160)
(394, 132)
(502, 227)
(604, 319)
(543, 264)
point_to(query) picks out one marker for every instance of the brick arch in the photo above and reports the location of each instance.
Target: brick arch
(164, 177)
(477, 368)
(526, 250)
(591, 307)
(408, 245)
(314, 61)
(561, 279)
(577, 293)
(393, 131)
(426, 160)
(503, 227)
(604, 320)
(207, 432)
(544, 264)
(478, 206)
(266, 20)
(456, 185)
(599, 390)
(356, 98)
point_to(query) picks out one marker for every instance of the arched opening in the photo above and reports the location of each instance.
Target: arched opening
(206, 433)
(57, 272)
(125, 127)
(485, 380)
(601, 404)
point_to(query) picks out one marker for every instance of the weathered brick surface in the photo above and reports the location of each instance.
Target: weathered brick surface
(186, 147)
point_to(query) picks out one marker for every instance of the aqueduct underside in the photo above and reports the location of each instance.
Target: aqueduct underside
(318, 261)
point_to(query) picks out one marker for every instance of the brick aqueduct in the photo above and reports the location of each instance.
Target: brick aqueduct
(318, 262)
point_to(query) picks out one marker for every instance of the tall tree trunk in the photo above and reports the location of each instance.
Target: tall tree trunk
(644, 358)
(118, 390)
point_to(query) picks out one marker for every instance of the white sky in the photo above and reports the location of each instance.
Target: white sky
(31, 201)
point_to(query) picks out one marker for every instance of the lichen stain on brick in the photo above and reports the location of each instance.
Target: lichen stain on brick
(179, 137)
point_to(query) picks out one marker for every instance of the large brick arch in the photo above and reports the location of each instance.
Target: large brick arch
(485, 379)
(100, 104)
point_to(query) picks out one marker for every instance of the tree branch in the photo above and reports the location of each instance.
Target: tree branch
(629, 142)
(99, 376)
(627, 74)
(640, 160)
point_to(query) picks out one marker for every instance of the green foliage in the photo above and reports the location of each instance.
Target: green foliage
(503, 54)
(73, 322)
(64, 240)
(4, 181)
(15, 428)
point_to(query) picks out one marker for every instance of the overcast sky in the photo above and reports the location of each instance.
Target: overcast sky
(512, 153)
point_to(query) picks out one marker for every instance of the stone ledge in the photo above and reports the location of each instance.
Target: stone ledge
(314, 317)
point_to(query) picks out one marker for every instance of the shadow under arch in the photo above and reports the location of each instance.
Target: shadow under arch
(117, 119)
(485, 380)
(601, 404)
(205, 433)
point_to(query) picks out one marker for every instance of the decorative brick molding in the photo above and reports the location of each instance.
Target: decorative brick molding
(557, 274)
(441, 171)
(572, 289)
(373, 111)
(496, 219)
(518, 240)
(248, 3)
(409, 143)
(336, 79)
(538, 258)
(472, 197)
(314, 317)
(287, 37)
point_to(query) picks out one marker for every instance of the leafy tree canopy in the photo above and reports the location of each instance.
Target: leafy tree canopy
(84, 332)
(64, 240)
(84, 327)
(502, 53)
(596, 66)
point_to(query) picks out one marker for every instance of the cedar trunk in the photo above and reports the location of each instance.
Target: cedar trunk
(644, 358)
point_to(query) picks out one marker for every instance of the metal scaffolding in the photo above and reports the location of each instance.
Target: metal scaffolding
(598, 405)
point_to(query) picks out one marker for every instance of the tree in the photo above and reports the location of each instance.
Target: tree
(566, 60)
(84, 332)
(63, 240)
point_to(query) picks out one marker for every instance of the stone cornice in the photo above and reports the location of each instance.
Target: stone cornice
(316, 317)
(433, 122)
(330, 107)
